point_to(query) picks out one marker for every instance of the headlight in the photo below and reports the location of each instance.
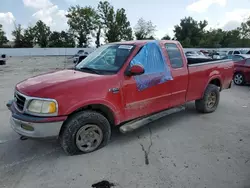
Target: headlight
(42, 106)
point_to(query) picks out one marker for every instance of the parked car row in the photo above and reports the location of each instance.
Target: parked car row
(219, 54)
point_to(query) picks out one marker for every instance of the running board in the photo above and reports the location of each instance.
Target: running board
(130, 126)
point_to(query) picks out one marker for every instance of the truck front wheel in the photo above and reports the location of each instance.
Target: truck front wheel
(210, 100)
(85, 132)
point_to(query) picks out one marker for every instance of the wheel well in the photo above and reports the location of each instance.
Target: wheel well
(216, 82)
(104, 110)
(238, 72)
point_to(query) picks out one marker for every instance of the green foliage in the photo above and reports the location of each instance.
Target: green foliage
(61, 39)
(190, 32)
(115, 23)
(193, 34)
(245, 29)
(82, 21)
(3, 38)
(28, 37)
(144, 29)
(98, 35)
(166, 37)
(17, 34)
(42, 33)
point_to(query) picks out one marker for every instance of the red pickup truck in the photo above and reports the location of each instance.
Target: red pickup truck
(126, 83)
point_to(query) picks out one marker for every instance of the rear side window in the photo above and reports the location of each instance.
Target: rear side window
(236, 52)
(174, 55)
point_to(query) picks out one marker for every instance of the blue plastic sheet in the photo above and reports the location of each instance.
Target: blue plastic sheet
(154, 63)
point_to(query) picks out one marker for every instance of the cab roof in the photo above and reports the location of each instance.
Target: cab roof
(142, 42)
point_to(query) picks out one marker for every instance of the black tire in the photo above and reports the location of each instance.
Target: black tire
(69, 130)
(237, 80)
(202, 104)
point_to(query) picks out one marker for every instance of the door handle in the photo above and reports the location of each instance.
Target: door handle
(114, 90)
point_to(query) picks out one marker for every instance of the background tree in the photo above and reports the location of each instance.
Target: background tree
(83, 21)
(3, 38)
(28, 37)
(190, 32)
(42, 33)
(98, 36)
(144, 29)
(245, 29)
(61, 39)
(212, 38)
(166, 37)
(115, 23)
(68, 39)
(17, 34)
(55, 39)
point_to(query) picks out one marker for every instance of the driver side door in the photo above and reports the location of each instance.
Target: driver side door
(151, 99)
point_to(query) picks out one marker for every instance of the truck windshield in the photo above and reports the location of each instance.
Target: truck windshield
(106, 59)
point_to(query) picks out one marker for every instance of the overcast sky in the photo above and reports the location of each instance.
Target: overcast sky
(226, 14)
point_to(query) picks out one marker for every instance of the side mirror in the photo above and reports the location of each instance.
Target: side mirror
(135, 70)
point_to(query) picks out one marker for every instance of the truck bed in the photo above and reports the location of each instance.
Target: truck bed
(192, 61)
(201, 73)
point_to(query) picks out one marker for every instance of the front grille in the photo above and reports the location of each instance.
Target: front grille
(20, 101)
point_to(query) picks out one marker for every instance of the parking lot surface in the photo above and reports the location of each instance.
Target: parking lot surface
(186, 149)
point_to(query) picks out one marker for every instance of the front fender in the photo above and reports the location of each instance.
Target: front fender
(113, 108)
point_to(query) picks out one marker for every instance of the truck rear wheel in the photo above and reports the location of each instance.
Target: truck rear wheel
(210, 100)
(85, 132)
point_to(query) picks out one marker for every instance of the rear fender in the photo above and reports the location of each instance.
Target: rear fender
(214, 77)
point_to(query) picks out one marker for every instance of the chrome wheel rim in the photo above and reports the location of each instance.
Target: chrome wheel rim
(238, 79)
(211, 100)
(89, 137)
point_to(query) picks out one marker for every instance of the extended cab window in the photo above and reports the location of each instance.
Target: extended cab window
(174, 55)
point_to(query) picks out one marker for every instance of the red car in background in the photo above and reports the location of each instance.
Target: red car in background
(241, 69)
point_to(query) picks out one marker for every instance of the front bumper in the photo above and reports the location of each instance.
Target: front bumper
(36, 130)
(35, 127)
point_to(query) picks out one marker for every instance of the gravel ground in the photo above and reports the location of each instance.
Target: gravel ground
(184, 150)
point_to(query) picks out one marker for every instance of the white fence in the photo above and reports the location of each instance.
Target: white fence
(43, 51)
(61, 51)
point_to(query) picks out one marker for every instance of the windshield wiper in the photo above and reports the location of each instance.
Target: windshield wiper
(90, 70)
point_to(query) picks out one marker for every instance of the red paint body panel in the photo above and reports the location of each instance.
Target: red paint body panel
(243, 67)
(200, 77)
(73, 89)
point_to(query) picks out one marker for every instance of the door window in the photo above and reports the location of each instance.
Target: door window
(154, 64)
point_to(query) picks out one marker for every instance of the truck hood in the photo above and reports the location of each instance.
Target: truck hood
(46, 85)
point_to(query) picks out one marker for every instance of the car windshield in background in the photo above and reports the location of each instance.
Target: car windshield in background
(243, 51)
(106, 59)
